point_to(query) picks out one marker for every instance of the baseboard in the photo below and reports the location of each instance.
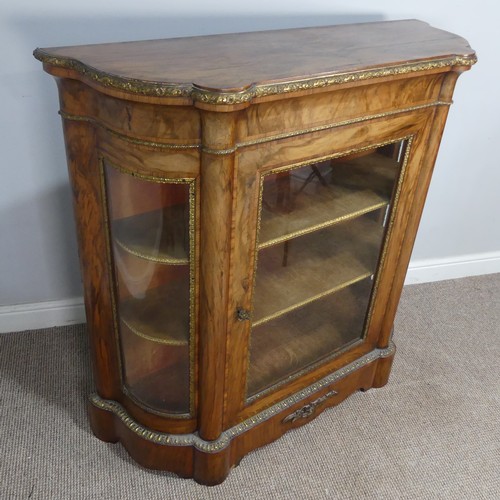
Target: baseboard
(449, 268)
(41, 315)
(71, 311)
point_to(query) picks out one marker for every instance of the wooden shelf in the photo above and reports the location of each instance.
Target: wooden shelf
(159, 235)
(161, 316)
(318, 264)
(349, 188)
(284, 346)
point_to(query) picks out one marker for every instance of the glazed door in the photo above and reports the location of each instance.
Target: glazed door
(320, 235)
(305, 304)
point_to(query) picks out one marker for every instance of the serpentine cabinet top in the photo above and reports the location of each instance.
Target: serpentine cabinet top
(238, 68)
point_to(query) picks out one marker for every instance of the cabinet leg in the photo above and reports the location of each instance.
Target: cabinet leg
(102, 423)
(211, 469)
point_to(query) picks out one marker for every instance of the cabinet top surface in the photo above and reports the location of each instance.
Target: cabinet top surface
(272, 61)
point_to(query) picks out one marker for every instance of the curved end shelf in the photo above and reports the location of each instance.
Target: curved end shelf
(159, 236)
(162, 316)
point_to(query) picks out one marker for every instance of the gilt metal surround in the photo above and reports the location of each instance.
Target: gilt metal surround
(206, 96)
(193, 439)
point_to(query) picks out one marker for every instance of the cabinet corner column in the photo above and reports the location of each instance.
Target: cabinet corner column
(88, 202)
(216, 197)
(432, 140)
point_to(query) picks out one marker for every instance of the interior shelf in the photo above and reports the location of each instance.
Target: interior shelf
(156, 374)
(166, 388)
(348, 188)
(162, 315)
(158, 235)
(303, 270)
(290, 343)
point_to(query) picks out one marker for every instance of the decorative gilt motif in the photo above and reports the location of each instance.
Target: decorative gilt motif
(307, 410)
(191, 91)
(225, 438)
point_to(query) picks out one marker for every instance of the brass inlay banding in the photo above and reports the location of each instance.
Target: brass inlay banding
(191, 91)
(343, 123)
(153, 178)
(219, 151)
(224, 440)
(252, 142)
(127, 138)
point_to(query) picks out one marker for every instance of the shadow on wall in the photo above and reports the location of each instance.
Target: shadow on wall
(41, 254)
(42, 224)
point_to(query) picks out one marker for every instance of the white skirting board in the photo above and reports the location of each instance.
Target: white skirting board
(22, 317)
(449, 268)
(41, 315)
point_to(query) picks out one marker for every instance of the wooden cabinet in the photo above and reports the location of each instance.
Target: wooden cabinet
(246, 207)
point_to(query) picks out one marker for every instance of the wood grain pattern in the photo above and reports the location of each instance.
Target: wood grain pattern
(264, 120)
(166, 111)
(236, 61)
(217, 173)
(85, 179)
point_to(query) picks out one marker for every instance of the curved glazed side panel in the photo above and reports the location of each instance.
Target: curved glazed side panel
(88, 140)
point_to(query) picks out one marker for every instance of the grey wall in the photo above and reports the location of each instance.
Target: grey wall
(38, 255)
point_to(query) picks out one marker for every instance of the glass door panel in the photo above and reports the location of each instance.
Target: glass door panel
(151, 240)
(321, 232)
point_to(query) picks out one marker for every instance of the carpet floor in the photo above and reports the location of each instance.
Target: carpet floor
(432, 433)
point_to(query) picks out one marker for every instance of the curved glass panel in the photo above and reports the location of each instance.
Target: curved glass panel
(321, 233)
(150, 238)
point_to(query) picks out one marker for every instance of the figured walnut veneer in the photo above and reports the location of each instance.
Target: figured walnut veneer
(221, 115)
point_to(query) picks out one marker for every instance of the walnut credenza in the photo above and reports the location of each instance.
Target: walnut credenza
(246, 207)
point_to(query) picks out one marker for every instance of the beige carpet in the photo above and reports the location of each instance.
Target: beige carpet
(432, 432)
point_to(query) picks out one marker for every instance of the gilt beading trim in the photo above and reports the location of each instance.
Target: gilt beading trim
(225, 438)
(196, 93)
(124, 137)
(252, 142)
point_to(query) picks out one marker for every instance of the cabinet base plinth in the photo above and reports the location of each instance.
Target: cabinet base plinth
(111, 423)
(383, 371)
(209, 462)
